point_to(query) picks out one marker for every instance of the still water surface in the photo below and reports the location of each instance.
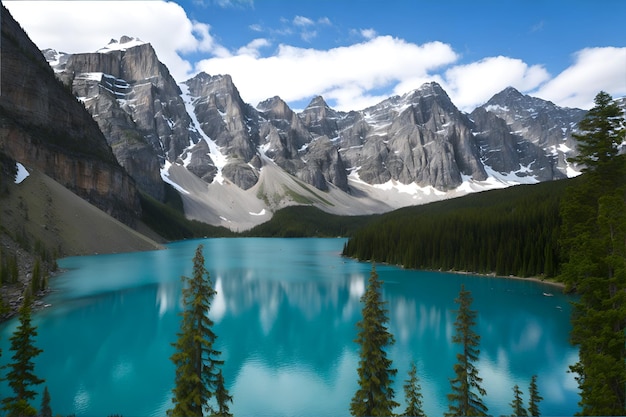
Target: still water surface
(285, 314)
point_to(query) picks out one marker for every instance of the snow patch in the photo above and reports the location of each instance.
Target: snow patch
(91, 76)
(260, 213)
(411, 189)
(121, 46)
(22, 173)
(219, 159)
(494, 108)
(165, 176)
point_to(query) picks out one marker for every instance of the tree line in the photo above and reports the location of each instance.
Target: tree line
(507, 232)
(593, 242)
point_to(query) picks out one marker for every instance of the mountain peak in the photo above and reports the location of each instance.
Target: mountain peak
(274, 104)
(507, 95)
(427, 89)
(317, 101)
(124, 43)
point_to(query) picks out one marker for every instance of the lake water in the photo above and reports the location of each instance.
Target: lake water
(285, 314)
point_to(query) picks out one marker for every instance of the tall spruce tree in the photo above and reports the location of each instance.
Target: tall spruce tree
(21, 375)
(197, 366)
(375, 396)
(534, 398)
(518, 403)
(467, 393)
(413, 394)
(222, 397)
(46, 410)
(594, 250)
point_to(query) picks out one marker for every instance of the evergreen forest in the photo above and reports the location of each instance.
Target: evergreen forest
(513, 231)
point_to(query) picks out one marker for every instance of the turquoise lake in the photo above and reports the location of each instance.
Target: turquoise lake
(285, 315)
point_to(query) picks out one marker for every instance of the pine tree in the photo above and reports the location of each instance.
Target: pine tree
(602, 134)
(21, 376)
(46, 411)
(413, 394)
(222, 397)
(534, 398)
(594, 251)
(518, 403)
(195, 357)
(465, 399)
(375, 396)
(35, 281)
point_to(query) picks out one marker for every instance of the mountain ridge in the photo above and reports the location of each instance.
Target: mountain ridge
(405, 150)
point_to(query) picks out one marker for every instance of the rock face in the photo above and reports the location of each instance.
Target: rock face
(43, 126)
(136, 103)
(536, 136)
(418, 142)
(419, 138)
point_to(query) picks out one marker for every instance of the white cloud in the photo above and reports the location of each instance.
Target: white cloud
(231, 3)
(252, 48)
(346, 74)
(324, 21)
(594, 70)
(368, 33)
(350, 77)
(85, 26)
(302, 21)
(473, 84)
(256, 27)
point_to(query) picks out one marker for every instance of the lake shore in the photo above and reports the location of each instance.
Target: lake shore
(551, 282)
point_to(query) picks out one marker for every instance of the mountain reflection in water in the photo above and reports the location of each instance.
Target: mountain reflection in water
(285, 314)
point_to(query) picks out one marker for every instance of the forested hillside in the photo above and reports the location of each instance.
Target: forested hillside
(307, 221)
(513, 231)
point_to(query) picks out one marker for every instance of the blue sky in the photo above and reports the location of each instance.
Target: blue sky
(357, 52)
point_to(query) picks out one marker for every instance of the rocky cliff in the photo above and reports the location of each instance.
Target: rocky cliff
(136, 103)
(43, 126)
(536, 135)
(407, 149)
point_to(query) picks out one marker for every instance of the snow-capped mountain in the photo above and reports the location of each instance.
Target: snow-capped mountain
(234, 164)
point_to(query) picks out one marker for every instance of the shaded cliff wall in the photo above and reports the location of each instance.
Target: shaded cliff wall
(42, 125)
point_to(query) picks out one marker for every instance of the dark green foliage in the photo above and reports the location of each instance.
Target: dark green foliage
(21, 376)
(594, 253)
(375, 394)
(602, 133)
(518, 403)
(308, 221)
(413, 394)
(467, 393)
(508, 232)
(36, 281)
(197, 374)
(222, 397)
(9, 271)
(46, 411)
(169, 222)
(534, 398)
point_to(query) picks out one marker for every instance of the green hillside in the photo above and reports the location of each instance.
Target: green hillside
(308, 221)
(513, 231)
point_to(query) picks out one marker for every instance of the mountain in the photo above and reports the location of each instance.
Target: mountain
(136, 103)
(234, 164)
(536, 136)
(62, 190)
(44, 127)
